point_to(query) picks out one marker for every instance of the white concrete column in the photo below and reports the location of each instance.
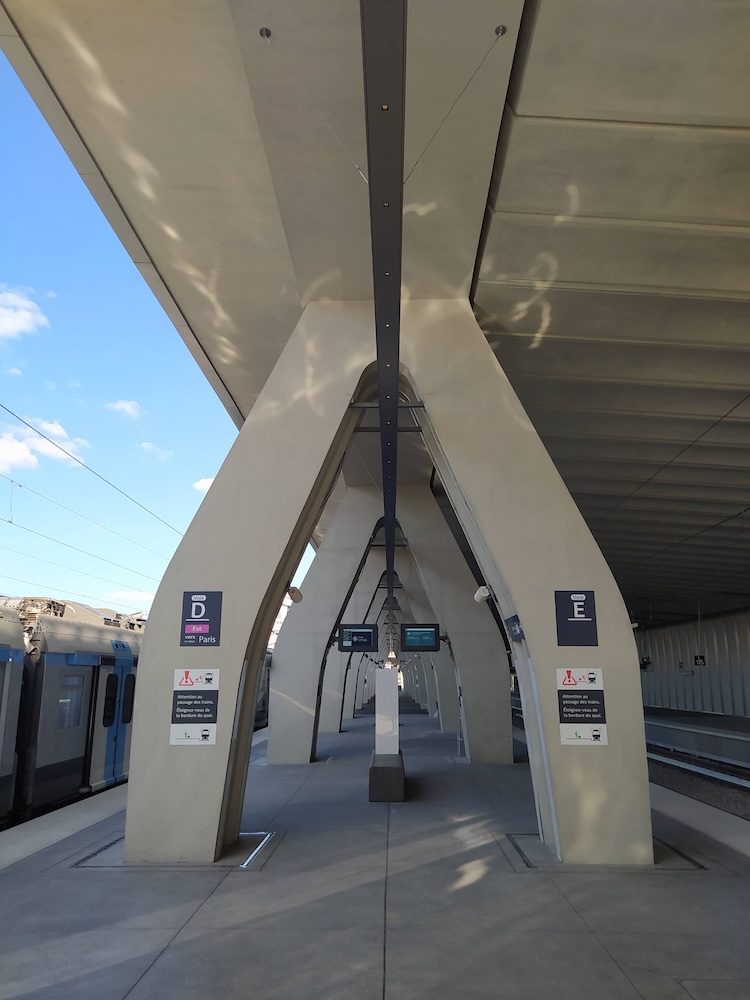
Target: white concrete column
(477, 645)
(302, 642)
(447, 688)
(386, 712)
(531, 541)
(333, 691)
(442, 671)
(424, 690)
(184, 801)
(361, 608)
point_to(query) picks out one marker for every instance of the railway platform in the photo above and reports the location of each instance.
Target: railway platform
(449, 894)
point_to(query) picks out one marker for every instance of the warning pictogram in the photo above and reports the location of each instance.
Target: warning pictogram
(195, 707)
(580, 698)
(579, 678)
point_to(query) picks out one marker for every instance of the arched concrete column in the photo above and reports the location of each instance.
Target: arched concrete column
(430, 694)
(443, 672)
(185, 801)
(422, 695)
(334, 677)
(422, 668)
(303, 639)
(367, 692)
(366, 686)
(530, 541)
(410, 685)
(476, 642)
(447, 689)
(360, 609)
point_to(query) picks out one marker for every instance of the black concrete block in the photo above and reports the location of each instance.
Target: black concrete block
(387, 777)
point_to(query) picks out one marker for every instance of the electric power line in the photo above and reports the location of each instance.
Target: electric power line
(31, 583)
(57, 541)
(88, 468)
(77, 513)
(71, 569)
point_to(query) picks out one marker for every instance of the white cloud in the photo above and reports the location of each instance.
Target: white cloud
(151, 449)
(15, 371)
(202, 485)
(51, 294)
(127, 406)
(15, 454)
(50, 385)
(52, 428)
(19, 446)
(19, 314)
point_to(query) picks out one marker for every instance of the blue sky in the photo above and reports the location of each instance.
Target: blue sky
(88, 356)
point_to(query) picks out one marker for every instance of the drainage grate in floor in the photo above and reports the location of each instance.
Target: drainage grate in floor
(262, 839)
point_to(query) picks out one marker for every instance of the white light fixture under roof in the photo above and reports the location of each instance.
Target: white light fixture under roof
(391, 662)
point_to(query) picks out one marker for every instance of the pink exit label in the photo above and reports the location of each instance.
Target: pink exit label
(191, 629)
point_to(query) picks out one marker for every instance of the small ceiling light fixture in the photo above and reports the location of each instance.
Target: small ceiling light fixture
(483, 594)
(265, 33)
(295, 594)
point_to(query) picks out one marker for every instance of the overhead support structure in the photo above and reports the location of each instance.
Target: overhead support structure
(384, 62)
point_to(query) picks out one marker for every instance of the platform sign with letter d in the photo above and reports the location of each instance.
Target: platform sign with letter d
(201, 618)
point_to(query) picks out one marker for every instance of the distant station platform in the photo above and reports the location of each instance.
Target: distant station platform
(448, 894)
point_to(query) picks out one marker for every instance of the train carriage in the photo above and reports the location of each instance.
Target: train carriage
(76, 706)
(11, 680)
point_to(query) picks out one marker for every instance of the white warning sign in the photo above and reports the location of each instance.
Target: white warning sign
(580, 699)
(195, 708)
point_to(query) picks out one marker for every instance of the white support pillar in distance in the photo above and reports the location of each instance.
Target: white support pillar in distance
(474, 636)
(302, 642)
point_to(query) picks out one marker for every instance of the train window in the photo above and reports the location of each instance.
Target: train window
(128, 693)
(70, 701)
(110, 701)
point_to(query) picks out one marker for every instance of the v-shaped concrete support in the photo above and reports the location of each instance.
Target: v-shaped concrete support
(526, 533)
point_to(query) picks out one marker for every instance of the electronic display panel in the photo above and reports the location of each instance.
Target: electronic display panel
(358, 638)
(420, 638)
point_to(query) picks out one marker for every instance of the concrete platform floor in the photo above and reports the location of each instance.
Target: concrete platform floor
(447, 895)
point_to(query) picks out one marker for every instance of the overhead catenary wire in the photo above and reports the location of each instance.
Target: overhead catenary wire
(88, 468)
(14, 482)
(43, 586)
(71, 569)
(57, 541)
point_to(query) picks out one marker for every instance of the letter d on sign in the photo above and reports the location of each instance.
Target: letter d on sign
(198, 610)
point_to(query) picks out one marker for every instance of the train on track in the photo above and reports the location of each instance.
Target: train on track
(67, 687)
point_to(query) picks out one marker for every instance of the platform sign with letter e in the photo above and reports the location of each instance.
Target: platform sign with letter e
(580, 700)
(201, 618)
(575, 611)
(195, 708)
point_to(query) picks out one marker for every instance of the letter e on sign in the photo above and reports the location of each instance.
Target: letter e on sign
(575, 614)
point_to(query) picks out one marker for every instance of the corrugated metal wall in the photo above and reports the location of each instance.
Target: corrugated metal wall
(674, 680)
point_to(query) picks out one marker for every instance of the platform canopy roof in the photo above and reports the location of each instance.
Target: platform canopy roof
(579, 169)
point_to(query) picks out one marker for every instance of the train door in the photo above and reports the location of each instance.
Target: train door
(113, 714)
(11, 675)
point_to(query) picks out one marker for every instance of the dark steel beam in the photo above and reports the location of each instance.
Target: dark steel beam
(384, 66)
